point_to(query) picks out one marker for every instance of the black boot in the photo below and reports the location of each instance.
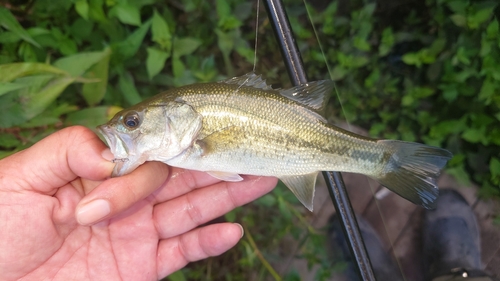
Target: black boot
(451, 239)
(383, 266)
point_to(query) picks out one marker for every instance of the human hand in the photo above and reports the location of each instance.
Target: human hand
(145, 231)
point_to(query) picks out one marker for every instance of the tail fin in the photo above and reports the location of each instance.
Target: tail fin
(412, 170)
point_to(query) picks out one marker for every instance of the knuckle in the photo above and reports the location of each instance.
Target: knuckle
(193, 211)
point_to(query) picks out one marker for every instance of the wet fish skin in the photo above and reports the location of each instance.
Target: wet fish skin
(243, 126)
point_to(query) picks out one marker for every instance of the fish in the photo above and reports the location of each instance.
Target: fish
(242, 126)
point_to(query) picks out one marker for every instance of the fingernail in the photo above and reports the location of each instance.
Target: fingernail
(93, 211)
(106, 154)
(242, 230)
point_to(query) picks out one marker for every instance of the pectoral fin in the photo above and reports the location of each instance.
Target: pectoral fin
(226, 176)
(225, 139)
(303, 187)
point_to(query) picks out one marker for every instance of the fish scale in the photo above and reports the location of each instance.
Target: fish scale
(243, 126)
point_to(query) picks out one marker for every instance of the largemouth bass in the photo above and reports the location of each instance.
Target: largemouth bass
(243, 126)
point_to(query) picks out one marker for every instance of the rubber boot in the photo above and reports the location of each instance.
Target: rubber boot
(451, 247)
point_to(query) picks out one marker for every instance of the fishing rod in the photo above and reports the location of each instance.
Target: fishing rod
(338, 193)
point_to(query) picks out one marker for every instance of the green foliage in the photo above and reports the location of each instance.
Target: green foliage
(88, 55)
(424, 71)
(436, 81)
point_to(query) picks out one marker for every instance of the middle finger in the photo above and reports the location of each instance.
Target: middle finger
(186, 212)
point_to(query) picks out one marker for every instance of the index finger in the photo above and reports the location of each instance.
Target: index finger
(186, 212)
(180, 182)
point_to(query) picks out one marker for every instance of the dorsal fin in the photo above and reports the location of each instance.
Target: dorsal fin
(250, 79)
(313, 94)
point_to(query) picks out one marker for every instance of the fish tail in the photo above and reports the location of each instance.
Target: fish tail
(412, 169)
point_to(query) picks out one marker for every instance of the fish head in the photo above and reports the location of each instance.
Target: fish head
(152, 132)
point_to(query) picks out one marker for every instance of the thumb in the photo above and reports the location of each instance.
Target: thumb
(114, 195)
(58, 159)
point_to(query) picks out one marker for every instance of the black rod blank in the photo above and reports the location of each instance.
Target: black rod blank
(338, 193)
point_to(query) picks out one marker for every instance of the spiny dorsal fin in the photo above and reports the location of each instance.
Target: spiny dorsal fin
(313, 94)
(303, 187)
(250, 79)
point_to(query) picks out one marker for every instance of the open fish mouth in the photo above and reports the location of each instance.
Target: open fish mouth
(126, 160)
(116, 145)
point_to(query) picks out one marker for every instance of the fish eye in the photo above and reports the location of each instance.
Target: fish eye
(131, 120)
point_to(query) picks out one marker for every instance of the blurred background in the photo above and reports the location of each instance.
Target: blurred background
(425, 71)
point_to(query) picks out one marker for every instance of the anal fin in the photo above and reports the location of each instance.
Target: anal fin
(303, 187)
(225, 176)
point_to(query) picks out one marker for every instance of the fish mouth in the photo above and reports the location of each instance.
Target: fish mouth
(115, 143)
(118, 148)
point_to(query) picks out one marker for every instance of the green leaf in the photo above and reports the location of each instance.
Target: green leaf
(497, 116)
(27, 52)
(8, 21)
(359, 61)
(407, 100)
(8, 140)
(95, 10)
(231, 216)
(6, 87)
(492, 30)
(92, 117)
(67, 47)
(485, 47)
(78, 64)
(82, 8)
(93, 93)
(361, 44)
(387, 42)
(443, 129)
(128, 89)
(421, 92)
(82, 29)
(155, 61)
(11, 71)
(128, 14)
(9, 37)
(226, 42)
(40, 121)
(230, 22)
(223, 8)
(185, 46)
(129, 47)
(177, 276)
(459, 20)
(178, 67)
(450, 94)
(495, 167)
(267, 200)
(460, 174)
(473, 21)
(412, 59)
(38, 101)
(161, 32)
(284, 209)
(437, 46)
(487, 91)
(475, 135)
(368, 9)
(458, 6)
(338, 73)
(11, 111)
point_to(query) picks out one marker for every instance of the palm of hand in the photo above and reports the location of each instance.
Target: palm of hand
(57, 246)
(149, 232)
